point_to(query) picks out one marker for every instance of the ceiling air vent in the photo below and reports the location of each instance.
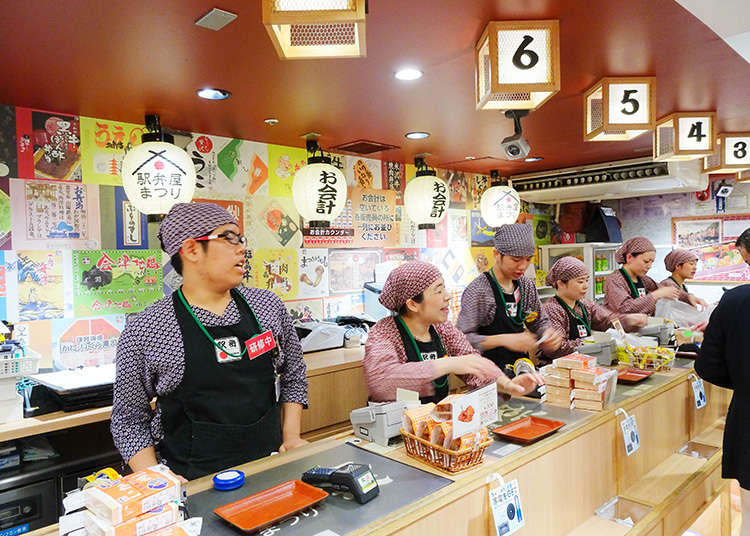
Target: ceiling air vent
(363, 147)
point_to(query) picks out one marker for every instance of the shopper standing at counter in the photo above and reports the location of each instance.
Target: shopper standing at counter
(723, 361)
(222, 360)
(498, 306)
(573, 316)
(682, 264)
(418, 348)
(629, 289)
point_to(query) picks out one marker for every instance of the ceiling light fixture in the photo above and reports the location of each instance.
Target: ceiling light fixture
(533, 159)
(271, 121)
(212, 93)
(417, 135)
(470, 157)
(408, 73)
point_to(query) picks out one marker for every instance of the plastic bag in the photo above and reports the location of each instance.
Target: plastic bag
(632, 339)
(681, 313)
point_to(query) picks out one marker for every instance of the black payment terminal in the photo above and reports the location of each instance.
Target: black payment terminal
(353, 477)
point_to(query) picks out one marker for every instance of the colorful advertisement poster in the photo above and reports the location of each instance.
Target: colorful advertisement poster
(113, 281)
(542, 229)
(351, 269)
(37, 335)
(721, 263)
(54, 214)
(344, 305)
(373, 212)
(235, 208)
(484, 258)
(340, 234)
(228, 166)
(313, 273)
(456, 265)
(283, 163)
(85, 342)
(8, 147)
(305, 310)
(401, 254)
(5, 221)
(458, 186)
(394, 178)
(41, 294)
(363, 172)
(131, 226)
(438, 237)
(49, 145)
(482, 234)
(458, 227)
(272, 222)
(277, 270)
(103, 146)
(410, 235)
(478, 185)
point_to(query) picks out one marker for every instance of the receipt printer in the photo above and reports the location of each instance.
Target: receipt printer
(380, 421)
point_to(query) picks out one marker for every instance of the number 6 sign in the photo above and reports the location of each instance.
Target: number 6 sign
(619, 109)
(517, 58)
(731, 155)
(685, 136)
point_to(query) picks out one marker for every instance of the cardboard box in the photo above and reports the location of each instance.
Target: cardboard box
(559, 392)
(593, 376)
(558, 382)
(599, 387)
(158, 518)
(591, 405)
(558, 403)
(575, 361)
(587, 394)
(121, 500)
(557, 372)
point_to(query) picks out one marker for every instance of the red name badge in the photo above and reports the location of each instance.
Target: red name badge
(260, 344)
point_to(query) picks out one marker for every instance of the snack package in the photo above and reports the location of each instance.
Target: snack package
(442, 434)
(413, 417)
(558, 392)
(557, 382)
(444, 408)
(591, 405)
(424, 428)
(555, 372)
(597, 387)
(160, 517)
(575, 361)
(593, 376)
(469, 441)
(586, 394)
(189, 527)
(121, 500)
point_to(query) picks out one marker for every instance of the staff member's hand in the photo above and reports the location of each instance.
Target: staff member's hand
(635, 320)
(522, 384)
(696, 301)
(292, 443)
(551, 340)
(473, 364)
(668, 293)
(519, 342)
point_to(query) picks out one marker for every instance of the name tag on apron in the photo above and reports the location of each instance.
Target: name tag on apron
(512, 309)
(582, 331)
(230, 344)
(641, 292)
(260, 344)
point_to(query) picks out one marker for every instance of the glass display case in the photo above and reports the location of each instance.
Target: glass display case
(598, 256)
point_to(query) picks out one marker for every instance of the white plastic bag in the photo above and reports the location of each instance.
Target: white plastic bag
(681, 313)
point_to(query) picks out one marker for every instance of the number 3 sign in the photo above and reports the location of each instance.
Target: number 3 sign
(517, 58)
(619, 109)
(732, 155)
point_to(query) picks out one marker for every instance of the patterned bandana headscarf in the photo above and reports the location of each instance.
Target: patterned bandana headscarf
(678, 256)
(407, 281)
(190, 220)
(565, 269)
(515, 239)
(634, 246)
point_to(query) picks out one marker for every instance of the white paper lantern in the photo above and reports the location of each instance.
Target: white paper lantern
(156, 175)
(500, 205)
(319, 193)
(426, 200)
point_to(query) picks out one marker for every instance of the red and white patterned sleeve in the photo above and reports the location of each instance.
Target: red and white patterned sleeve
(618, 299)
(386, 367)
(601, 317)
(456, 344)
(683, 296)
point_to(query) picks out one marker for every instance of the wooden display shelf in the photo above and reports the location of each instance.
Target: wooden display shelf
(663, 479)
(598, 526)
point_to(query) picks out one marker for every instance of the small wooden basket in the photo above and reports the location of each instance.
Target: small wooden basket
(451, 461)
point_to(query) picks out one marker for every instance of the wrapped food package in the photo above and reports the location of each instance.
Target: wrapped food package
(413, 417)
(575, 361)
(442, 434)
(160, 517)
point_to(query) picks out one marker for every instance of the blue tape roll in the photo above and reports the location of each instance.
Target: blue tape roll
(228, 480)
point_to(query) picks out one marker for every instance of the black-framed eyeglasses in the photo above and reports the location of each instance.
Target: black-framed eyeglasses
(230, 236)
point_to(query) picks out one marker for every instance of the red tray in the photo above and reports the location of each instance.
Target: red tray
(633, 375)
(527, 430)
(265, 508)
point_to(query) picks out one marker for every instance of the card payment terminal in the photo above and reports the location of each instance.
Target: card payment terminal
(352, 477)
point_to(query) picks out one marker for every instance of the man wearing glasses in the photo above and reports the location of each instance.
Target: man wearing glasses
(223, 361)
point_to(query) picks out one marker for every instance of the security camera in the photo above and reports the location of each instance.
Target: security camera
(515, 147)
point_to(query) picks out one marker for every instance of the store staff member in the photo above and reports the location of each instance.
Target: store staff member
(219, 402)
(629, 289)
(682, 264)
(418, 348)
(498, 306)
(572, 315)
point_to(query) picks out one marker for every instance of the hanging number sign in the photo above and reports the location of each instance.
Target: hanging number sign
(619, 108)
(685, 136)
(736, 150)
(695, 133)
(628, 103)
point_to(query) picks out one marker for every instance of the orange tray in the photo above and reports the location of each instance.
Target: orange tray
(265, 508)
(528, 429)
(633, 375)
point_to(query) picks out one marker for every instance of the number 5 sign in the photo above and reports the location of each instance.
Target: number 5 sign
(619, 109)
(685, 136)
(732, 154)
(517, 65)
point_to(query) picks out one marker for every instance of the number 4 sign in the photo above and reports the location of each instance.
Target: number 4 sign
(685, 136)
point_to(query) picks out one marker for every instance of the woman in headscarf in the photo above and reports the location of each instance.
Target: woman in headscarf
(418, 348)
(573, 316)
(682, 264)
(629, 289)
(501, 314)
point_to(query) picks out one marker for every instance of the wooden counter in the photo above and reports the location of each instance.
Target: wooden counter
(336, 386)
(564, 478)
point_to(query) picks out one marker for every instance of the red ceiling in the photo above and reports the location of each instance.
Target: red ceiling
(121, 60)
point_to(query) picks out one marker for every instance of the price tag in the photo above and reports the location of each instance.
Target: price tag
(630, 434)
(629, 103)
(505, 502)
(699, 394)
(737, 150)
